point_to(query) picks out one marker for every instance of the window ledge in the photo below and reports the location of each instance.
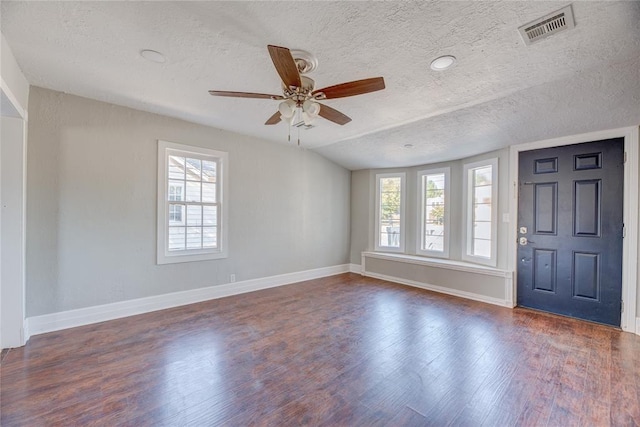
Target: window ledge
(440, 263)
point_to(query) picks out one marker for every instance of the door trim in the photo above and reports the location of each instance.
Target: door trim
(631, 137)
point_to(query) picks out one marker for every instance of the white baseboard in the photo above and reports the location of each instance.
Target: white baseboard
(443, 290)
(100, 313)
(355, 268)
(637, 331)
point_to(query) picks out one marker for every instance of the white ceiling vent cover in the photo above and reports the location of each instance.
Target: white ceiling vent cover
(547, 25)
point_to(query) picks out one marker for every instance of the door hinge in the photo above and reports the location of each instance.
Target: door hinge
(625, 157)
(624, 231)
(621, 306)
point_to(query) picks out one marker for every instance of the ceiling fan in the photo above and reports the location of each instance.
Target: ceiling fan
(298, 92)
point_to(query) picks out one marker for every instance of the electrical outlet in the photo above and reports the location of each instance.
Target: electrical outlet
(232, 278)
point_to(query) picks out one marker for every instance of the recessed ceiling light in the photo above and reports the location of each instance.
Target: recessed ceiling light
(153, 56)
(443, 62)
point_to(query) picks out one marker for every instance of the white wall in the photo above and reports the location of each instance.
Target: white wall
(12, 231)
(91, 206)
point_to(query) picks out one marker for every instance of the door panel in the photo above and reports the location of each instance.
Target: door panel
(570, 216)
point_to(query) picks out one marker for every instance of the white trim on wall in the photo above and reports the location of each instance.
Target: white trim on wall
(630, 215)
(355, 268)
(12, 98)
(85, 316)
(505, 276)
(441, 289)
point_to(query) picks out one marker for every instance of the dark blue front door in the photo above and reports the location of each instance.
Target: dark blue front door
(570, 230)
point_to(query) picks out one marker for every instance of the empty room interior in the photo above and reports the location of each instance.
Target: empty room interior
(319, 213)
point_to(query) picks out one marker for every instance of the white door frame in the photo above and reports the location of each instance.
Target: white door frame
(630, 211)
(13, 330)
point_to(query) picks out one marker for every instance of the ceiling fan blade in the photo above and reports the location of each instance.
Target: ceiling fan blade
(273, 119)
(333, 115)
(357, 87)
(245, 94)
(285, 65)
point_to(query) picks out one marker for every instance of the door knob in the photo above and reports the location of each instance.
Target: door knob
(523, 241)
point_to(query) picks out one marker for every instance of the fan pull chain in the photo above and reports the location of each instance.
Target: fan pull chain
(298, 137)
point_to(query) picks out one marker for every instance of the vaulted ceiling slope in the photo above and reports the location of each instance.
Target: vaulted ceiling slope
(499, 91)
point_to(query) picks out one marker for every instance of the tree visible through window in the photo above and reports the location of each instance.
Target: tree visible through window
(390, 212)
(433, 212)
(390, 197)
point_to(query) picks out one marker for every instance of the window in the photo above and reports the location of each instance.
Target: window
(192, 208)
(390, 190)
(433, 200)
(481, 213)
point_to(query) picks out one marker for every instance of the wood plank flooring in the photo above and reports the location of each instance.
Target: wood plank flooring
(339, 351)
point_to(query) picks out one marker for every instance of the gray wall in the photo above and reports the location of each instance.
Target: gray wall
(363, 206)
(91, 206)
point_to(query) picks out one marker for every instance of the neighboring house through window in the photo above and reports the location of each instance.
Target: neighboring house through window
(192, 203)
(481, 198)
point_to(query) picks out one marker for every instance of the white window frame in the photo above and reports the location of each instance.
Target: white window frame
(468, 212)
(403, 193)
(164, 256)
(421, 212)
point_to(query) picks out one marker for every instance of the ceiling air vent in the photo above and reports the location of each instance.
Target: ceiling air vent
(547, 25)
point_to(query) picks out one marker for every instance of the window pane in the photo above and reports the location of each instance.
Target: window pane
(176, 167)
(176, 214)
(482, 194)
(433, 187)
(194, 237)
(390, 194)
(193, 191)
(482, 248)
(482, 212)
(176, 238)
(390, 236)
(210, 215)
(194, 215)
(208, 192)
(482, 230)
(210, 237)
(482, 175)
(194, 167)
(209, 171)
(433, 243)
(176, 191)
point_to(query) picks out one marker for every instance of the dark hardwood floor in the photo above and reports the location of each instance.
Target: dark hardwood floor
(343, 350)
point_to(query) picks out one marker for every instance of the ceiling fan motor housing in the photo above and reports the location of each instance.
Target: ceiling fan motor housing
(302, 93)
(306, 61)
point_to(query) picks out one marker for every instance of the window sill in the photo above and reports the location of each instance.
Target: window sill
(439, 263)
(174, 259)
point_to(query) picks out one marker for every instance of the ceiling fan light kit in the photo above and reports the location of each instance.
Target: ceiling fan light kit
(298, 91)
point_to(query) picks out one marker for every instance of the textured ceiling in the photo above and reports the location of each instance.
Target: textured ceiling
(499, 92)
